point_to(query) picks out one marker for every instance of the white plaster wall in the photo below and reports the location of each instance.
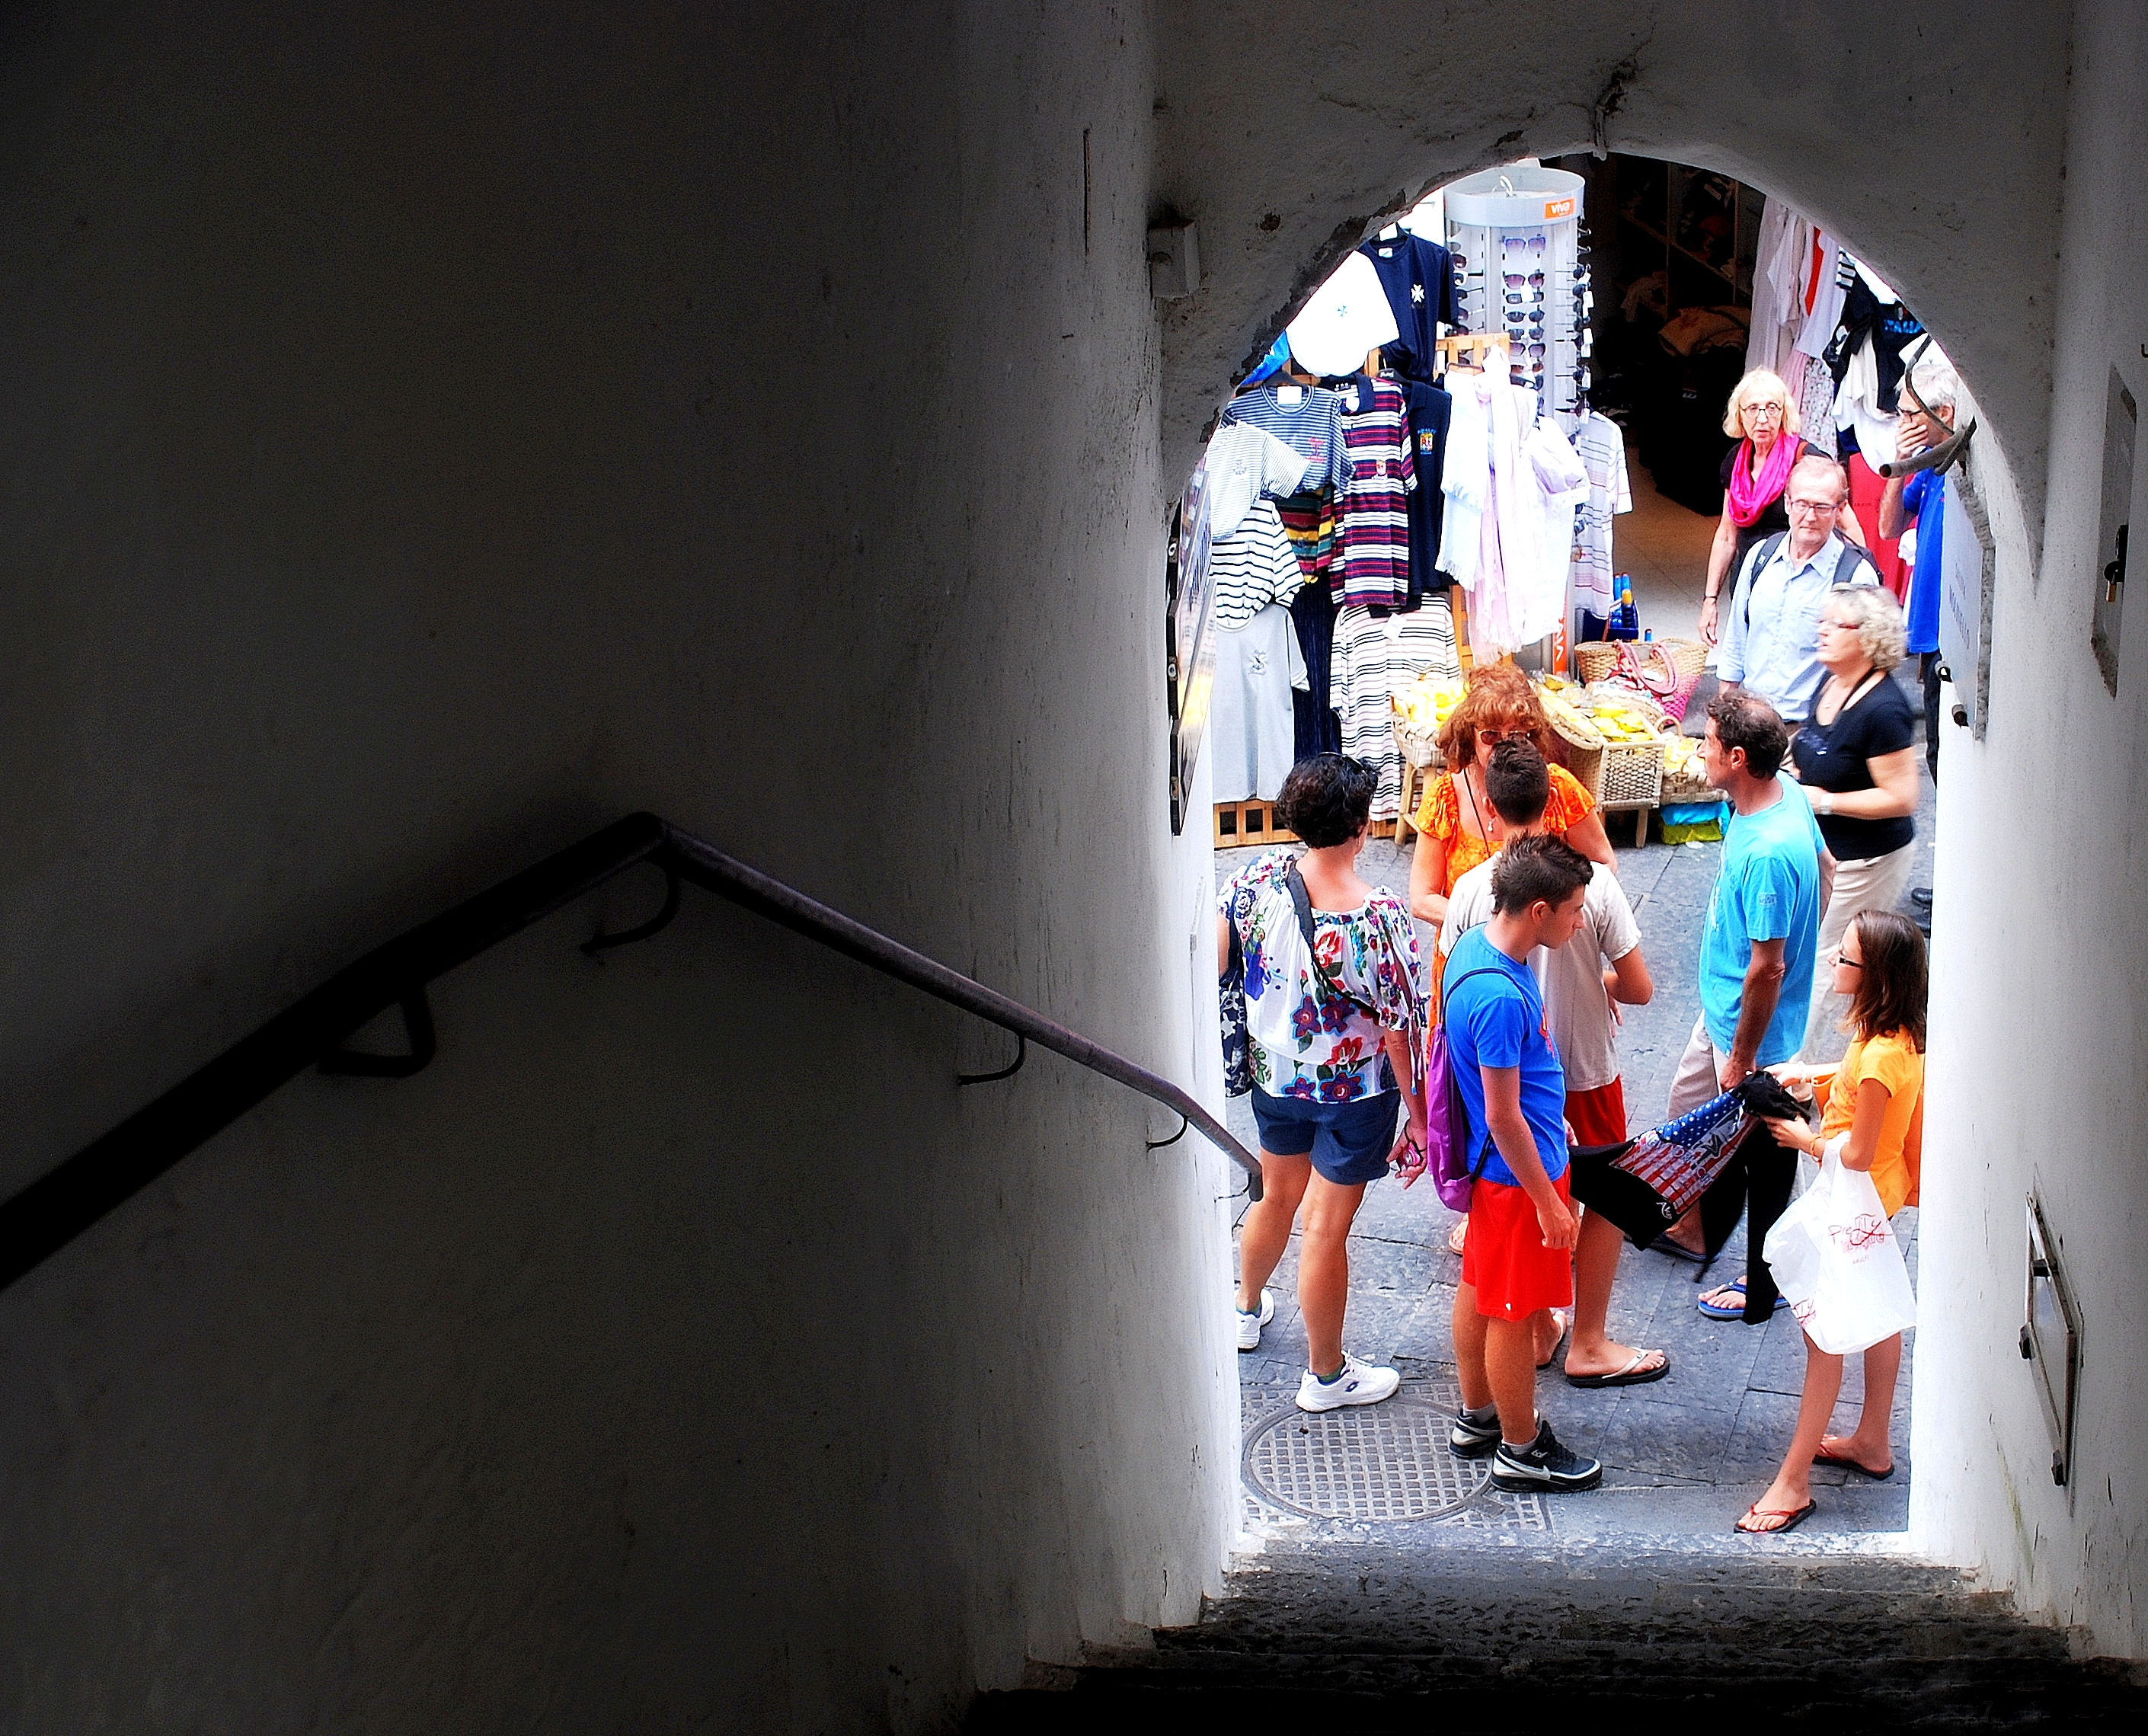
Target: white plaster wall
(1288, 126)
(429, 434)
(2040, 1068)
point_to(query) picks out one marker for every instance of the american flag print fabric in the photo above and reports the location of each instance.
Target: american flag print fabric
(1678, 1160)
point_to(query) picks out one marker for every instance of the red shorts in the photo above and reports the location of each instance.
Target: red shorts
(1505, 1260)
(1598, 1118)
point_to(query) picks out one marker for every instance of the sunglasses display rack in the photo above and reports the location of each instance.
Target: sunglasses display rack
(1519, 269)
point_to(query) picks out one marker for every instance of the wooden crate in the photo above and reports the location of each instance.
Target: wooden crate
(1240, 825)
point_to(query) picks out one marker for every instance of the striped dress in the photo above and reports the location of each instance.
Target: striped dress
(1375, 503)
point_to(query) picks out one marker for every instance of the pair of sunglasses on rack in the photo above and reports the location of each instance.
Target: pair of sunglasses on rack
(1524, 245)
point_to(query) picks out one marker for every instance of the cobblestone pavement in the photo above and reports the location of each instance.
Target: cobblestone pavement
(1685, 1455)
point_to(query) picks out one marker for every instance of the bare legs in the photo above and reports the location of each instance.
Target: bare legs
(1323, 1255)
(1497, 1362)
(1792, 1488)
(1595, 1269)
(1266, 1229)
(1869, 1445)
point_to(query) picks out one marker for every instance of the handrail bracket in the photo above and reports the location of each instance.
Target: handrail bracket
(424, 1044)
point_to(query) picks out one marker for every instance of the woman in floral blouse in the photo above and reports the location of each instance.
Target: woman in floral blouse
(1332, 1033)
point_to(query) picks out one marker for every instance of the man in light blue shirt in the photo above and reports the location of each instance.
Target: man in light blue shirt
(1756, 960)
(1771, 635)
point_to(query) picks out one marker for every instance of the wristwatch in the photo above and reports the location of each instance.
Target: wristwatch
(1823, 803)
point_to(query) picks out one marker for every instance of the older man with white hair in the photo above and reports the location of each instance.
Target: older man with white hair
(1770, 634)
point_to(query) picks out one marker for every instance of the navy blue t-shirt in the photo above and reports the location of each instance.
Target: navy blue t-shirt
(1430, 412)
(1418, 276)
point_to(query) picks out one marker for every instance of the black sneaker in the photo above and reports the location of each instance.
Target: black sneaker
(1470, 1439)
(1542, 1467)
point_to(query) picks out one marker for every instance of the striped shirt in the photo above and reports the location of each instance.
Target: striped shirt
(1309, 422)
(1371, 659)
(1375, 515)
(1253, 568)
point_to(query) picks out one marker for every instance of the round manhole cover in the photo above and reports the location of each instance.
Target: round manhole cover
(1373, 1462)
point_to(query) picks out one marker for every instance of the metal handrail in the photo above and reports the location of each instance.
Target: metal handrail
(60, 1205)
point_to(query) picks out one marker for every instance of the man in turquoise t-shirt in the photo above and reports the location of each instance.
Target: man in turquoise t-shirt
(1762, 929)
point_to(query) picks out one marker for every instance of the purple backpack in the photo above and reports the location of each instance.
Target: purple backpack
(1447, 1116)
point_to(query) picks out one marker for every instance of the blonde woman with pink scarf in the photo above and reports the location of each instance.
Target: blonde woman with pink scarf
(1755, 471)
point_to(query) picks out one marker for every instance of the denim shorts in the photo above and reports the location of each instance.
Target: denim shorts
(1348, 1142)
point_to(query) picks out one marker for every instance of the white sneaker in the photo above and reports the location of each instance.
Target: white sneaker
(1358, 1383)
(1250, 1325)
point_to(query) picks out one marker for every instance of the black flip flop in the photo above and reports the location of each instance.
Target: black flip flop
(1663, 1245)
(1628, 1376)
(1851, 1464)
(1790, 1522)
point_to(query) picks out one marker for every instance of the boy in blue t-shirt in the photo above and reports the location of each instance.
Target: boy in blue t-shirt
(1518, 1259)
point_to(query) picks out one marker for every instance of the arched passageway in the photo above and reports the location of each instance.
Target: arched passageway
(1286, 171)
(431, 436)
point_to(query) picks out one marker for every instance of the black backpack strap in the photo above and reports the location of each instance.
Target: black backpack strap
(1760, 558)
(1846, 564)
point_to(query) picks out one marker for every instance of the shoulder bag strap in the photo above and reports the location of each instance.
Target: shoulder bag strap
(1302, 901)
(1483, 1156)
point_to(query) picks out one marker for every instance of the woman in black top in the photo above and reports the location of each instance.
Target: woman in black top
(1857, 758)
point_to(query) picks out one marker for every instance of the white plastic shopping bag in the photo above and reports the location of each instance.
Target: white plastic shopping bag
(1836, 1259)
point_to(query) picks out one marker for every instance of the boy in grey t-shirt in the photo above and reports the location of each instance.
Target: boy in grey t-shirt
(1585, 982)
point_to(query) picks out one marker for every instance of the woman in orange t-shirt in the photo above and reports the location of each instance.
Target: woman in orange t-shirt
(1875, 1111)
(1455, 823)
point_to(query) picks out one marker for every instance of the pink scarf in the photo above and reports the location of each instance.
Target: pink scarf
(1750, 495)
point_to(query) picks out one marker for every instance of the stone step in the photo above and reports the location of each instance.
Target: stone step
(1477, 1636)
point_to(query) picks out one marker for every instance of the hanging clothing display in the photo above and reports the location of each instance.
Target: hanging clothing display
(1373, 658)
(1252, 568)
(1308, 420)
(1418, 277)
(1314, 727)
(1778, 276)
(1311, 522)
(1245, 461)
(1347, 318)
(1251, 731)
(1506, 490)
(1431, 410)
(1600, 444)
(1374, 508)
(1561, 481)
(1824, 288)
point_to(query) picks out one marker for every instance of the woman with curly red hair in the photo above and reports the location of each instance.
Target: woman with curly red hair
(1455, 823)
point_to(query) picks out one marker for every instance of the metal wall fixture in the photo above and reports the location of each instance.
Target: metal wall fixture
(2050, 1340)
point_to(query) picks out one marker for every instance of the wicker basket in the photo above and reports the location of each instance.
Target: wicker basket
(1640, 704)
(1692, 787)
(1626, 775)
(1419, 743)
(1594, 659)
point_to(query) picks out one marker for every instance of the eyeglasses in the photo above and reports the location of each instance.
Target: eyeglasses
(1819, 509)
(1537, 297)
(1515, 280)
(1771, 412)
(1511, 732)
(1838, 956)
(1525, 245)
